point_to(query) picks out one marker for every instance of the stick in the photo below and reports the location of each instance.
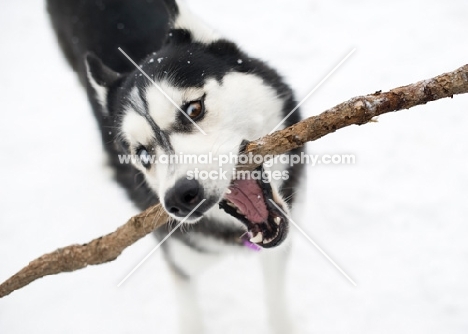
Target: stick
(359, 110)
(101, 250)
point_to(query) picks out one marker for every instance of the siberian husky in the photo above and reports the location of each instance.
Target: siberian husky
(194, 93)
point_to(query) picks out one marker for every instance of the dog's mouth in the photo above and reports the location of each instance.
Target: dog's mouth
(250, 201)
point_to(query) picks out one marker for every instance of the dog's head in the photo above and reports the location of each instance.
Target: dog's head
(183, 116)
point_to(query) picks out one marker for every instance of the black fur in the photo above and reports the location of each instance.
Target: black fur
(94, 29)
(101, 26)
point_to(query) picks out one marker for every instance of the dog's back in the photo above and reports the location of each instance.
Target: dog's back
(101, 26)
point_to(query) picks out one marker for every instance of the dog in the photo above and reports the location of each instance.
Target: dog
(162, 83)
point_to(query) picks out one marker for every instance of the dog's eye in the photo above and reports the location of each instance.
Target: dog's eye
(195, 109)
(144, 156)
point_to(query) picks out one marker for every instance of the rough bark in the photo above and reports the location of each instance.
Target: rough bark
(359, 110)
(101, 250)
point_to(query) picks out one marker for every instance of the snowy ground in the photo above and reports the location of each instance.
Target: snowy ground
(396, 221)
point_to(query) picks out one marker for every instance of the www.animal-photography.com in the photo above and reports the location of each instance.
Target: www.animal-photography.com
(198, 166)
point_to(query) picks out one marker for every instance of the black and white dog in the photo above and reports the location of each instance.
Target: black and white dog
(205, 96)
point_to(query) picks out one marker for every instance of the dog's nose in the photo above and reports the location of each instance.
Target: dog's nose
(181, 199)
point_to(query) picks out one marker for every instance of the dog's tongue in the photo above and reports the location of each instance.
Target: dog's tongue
(248, 197)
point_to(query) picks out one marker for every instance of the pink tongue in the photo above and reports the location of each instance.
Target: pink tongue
(248, 197)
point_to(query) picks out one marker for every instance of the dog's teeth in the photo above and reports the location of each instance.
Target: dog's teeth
(238, 211)
(258, 238)
(277, 220)
(267, 241)
(231, 204)
(228, 191)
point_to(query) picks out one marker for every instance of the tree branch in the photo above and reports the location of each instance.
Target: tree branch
(101, 250)
(358, 110)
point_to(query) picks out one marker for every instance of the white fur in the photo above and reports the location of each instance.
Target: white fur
(100, 91)
(161, 109)
(200, 31)
(274, 281)
(194, 263)
(190, 315)
(136, 129)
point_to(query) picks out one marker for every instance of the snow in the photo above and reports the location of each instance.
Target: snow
(396, 221)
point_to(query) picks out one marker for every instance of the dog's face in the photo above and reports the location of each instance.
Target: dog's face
(190, 120)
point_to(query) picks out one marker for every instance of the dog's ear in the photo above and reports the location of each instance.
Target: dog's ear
(179, 36)
(224, 48)
(229, 52)
(100, 78)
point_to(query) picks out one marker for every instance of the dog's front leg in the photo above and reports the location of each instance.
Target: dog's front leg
(186, 265)
(274, 267)
(189, 315)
